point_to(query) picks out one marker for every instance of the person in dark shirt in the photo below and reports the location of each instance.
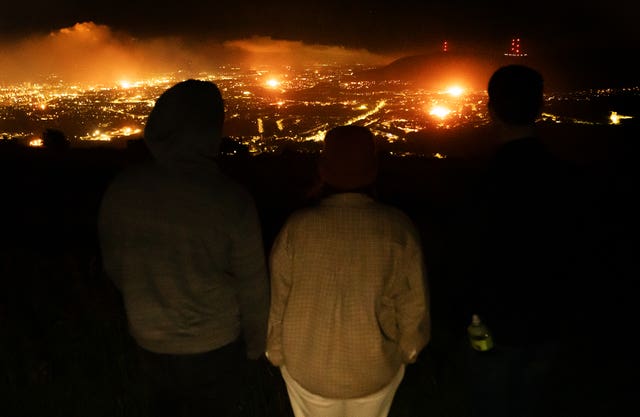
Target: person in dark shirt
(519, 265)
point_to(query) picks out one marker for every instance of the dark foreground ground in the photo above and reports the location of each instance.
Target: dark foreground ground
(65, 351)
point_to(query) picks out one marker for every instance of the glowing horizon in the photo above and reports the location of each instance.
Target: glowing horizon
(93, 54)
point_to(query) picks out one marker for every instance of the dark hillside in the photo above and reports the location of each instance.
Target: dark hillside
(64, 344)
(564, 71)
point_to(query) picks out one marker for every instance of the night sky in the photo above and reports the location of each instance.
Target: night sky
(379, 26)
(102, 41)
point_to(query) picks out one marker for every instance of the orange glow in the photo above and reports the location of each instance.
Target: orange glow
(36, 142)
(440, 112)
(455, 91)
(273, 83)
(93, 54)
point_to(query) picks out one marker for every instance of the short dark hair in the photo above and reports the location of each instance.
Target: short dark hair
(349, 158)
(516, 94)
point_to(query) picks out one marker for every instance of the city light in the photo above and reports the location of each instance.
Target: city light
(36, 143)
(315, 100)
(615, 118)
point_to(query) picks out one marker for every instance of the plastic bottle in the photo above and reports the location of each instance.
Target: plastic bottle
(479, 335)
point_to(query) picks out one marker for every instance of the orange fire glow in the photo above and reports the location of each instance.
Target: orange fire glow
(455, 91)
(440, 111)
(91, 54)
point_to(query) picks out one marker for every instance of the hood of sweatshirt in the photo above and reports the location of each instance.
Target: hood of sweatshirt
(184, 129)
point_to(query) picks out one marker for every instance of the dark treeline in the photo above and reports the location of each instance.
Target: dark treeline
(64, 347)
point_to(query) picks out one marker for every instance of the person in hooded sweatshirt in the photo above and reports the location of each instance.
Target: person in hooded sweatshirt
(183, 244)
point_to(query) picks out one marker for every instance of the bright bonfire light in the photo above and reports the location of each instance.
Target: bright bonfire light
(455, 91)
(125, 84)
(440, 112)
(273, 83)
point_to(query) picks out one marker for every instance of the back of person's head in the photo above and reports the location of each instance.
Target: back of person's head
(349, 159)
(516, 94)
(186, 122)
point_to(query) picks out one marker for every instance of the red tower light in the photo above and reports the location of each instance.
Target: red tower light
(516, 49)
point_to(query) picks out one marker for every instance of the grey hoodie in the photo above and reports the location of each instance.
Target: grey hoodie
(182, 241)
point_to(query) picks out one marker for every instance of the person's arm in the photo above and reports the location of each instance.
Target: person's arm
(249, 268)
(281, 267)
(412, 303)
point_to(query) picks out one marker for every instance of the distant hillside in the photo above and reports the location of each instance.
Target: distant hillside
(562, 72)
(437, 70)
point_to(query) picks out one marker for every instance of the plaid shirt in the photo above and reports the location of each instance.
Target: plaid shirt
(349, 296)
